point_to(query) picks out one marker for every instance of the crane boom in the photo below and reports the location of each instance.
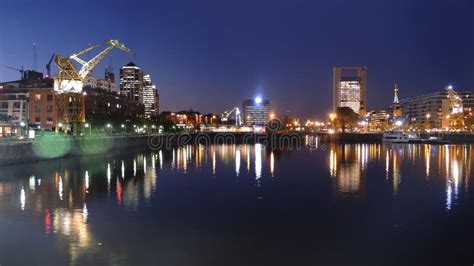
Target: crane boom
(69, 79)
(48, 66)
(225, 115)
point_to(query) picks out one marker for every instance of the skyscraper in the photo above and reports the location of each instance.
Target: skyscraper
(149, 97)
(131, 81)
(349, 88)
(255, 112)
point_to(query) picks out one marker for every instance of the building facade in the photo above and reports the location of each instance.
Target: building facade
(433, 110)
(131, 81)
(36, 107)
(255, 112)
(149, 97)
(349, 88)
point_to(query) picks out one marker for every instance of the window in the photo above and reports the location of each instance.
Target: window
(49, 97)
(16, 105)
(37, 109)
(4, 105)
(49, 109)
(49, 119)
(38, 119)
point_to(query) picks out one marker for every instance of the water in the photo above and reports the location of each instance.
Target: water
(353, 204)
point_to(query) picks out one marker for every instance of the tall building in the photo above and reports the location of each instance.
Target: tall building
(349, 88)
(131, 81)
(433, 110)
(149, 97)
(255, 112)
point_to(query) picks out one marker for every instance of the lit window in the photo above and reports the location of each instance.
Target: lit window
(37, 97)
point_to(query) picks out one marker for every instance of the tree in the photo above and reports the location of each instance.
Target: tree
(345, 116)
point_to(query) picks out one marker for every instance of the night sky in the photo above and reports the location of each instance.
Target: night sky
(210, 55)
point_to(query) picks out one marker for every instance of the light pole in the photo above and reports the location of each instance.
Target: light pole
(428, 126)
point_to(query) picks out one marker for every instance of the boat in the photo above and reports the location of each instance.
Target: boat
(399, 137)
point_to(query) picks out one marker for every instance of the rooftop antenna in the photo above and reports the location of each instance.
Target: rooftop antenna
(34, 57)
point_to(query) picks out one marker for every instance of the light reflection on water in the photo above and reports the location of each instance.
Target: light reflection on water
(62, 194)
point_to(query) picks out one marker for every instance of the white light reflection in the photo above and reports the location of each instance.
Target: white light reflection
(161, 159)
(32, 182)
(109, 174)
(22, 198)
(258, 161)
(144, 164)
(214, 161)
(237, 161)
(123, 169)
(60, 188)
(85, 213)
(134, 167)
(272, 164)
(86, 177)
(153, 162)
(427, 159)
(332, 163)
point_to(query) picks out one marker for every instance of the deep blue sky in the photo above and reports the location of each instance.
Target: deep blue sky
(210, 55)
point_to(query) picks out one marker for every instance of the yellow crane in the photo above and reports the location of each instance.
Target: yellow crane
(456, 118)
(69, 79)
(68, 83)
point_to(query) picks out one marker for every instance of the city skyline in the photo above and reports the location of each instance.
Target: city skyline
(286, 56)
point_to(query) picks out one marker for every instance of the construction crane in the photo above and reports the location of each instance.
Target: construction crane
(69, 79)
(456, 118)
(22, 71)
(454, 100)
(225, 116)
(48, 67)
(69, 82)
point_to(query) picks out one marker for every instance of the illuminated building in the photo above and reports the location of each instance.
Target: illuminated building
(349, 88)
(378, 120)
(149, 97)
(34, 106)
(100, 105)
(433, 110)
(255, 112)
(131, 81)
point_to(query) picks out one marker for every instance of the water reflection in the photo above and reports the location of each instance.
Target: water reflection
(452, 163)
(64, 193)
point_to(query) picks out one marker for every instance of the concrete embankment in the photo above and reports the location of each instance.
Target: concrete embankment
(57, 146)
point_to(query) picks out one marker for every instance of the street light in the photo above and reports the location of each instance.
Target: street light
(109, 125)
